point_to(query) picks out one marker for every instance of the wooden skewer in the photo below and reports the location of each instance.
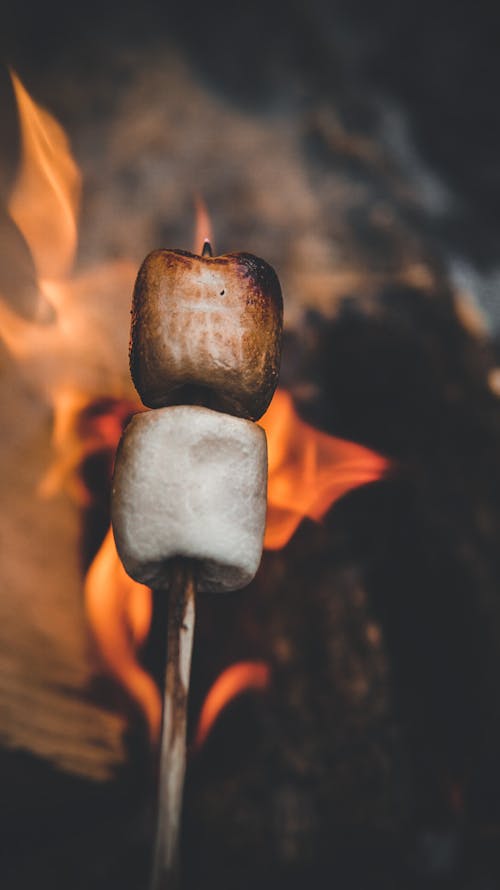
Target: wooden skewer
(180, 631)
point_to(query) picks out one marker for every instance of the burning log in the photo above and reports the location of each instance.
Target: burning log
(189, 489)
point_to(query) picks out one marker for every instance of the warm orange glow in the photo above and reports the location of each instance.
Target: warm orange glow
(242, 677)
(119, 610)
(203, 229)
(75, 361)
(76, 436)
(45, 199)
(308, 470)
(80, 358)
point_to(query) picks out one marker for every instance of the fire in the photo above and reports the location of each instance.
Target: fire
(203, 228)
(119, 611)
(232, 682)
(308, 470)
(45, 200)
(81, 357)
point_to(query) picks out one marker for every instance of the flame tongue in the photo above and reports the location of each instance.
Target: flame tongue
(308, 470)
(45, 199)
(203, 236)
(119, 610)
(235, 680)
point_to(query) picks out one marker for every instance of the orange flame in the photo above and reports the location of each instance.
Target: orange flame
(81, 355)
(308, 470)
(45, 199)
(119, 610)
(203, 228)
(232, 682)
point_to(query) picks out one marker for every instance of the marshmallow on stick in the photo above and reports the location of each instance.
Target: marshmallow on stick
(206, 330)
(189, 489)
(191, 483)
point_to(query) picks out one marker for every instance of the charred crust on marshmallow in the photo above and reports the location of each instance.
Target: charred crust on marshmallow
(206, 330)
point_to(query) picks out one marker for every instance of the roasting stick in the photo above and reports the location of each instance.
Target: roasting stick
(180, 632)
(189, 486)
(181, 618)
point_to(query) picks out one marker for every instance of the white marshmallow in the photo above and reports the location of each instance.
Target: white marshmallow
(190, 482)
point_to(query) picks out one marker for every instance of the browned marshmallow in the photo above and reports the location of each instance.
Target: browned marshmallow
(206, 330)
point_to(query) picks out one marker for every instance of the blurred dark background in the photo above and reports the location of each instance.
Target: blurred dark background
(440, 61)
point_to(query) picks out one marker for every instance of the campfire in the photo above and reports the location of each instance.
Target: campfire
(325, 696)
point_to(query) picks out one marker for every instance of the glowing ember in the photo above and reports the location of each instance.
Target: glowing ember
(245, 676)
